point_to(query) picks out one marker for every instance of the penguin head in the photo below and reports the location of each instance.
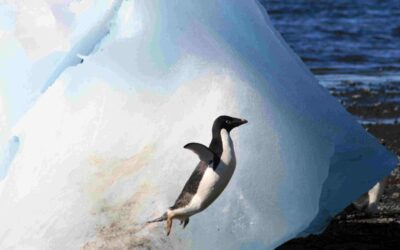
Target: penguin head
(227, 122)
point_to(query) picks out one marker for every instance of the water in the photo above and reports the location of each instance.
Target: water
(342, 40)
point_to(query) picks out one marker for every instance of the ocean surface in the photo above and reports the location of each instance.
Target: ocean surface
(342, 40)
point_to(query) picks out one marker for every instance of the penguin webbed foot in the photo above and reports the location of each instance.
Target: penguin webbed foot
(169, 226)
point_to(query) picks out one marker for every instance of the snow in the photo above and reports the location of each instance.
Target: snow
(96, 145)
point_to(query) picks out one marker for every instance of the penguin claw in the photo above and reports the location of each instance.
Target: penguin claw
(185, 223)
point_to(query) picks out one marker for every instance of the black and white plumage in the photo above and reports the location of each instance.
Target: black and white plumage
(210, 177)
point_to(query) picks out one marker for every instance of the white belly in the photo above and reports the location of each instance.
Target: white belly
(214, 181)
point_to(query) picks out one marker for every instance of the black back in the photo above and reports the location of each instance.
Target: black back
(191, 186)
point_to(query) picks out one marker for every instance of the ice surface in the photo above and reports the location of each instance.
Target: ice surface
(99, 148)
(38, 40)
(7, 155)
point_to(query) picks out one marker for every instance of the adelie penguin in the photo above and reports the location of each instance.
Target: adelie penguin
(210, 177)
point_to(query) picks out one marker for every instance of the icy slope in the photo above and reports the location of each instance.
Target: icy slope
(38, 40)
(100, 151)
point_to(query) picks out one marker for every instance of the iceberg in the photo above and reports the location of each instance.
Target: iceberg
(95, 128)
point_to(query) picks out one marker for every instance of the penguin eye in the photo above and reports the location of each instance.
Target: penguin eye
(228, 122)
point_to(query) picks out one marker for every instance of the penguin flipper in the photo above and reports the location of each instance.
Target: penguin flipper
(205, 154)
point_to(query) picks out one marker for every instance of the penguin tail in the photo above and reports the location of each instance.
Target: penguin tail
(159, 219)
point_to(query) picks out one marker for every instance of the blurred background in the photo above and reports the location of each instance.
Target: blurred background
(342, 37)
(353, 48)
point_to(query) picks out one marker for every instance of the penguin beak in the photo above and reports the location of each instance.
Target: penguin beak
(239, 122)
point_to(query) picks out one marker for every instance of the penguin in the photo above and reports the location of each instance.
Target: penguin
(210, 177)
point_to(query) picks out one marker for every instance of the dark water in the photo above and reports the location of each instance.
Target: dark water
(342, 40)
